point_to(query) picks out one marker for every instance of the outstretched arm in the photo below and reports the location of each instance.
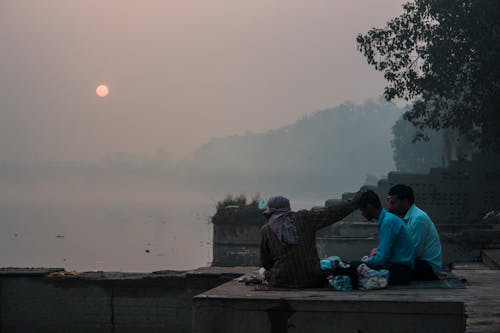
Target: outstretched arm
(322, 218)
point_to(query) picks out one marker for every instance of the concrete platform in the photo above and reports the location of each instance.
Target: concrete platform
(28, 271)
(233, 307)
(52, 300)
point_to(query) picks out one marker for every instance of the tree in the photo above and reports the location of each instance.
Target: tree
(442, 55)
(415, 157)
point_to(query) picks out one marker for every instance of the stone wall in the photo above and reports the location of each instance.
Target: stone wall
(459, 243)
(461, 193)
(41, 301)
(456, 198)
(237, 236)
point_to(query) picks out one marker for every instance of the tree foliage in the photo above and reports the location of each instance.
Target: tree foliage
(237, 201)
(443, 55)
(415, 157)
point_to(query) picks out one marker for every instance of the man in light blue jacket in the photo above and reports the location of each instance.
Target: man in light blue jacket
(395, 250)
(428, 255)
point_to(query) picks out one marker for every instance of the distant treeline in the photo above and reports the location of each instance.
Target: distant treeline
(323, 154)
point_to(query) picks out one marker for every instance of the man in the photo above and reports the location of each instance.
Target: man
(428, 256)
(288, 242)
(395, 250)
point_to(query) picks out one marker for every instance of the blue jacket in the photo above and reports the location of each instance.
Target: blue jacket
(395, 245)
(425, 237)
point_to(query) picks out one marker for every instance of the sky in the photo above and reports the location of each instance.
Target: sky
(179, 72)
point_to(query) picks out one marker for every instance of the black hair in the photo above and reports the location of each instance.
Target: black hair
(370, 198)
(403, 192)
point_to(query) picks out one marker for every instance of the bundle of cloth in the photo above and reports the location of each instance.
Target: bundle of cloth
(367, 278)
(340, 282)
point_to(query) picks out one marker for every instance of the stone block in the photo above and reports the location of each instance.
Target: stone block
(233, 307)
(37, 305)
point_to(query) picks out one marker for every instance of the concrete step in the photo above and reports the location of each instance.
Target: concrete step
(491, 258)
(469, 266)
(28, 271)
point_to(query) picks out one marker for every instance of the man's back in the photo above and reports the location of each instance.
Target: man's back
(298, 265)
(291, 265)
(394, 245)
(425, 237)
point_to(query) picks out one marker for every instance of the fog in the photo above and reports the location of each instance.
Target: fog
(179, 72)
(206, 98)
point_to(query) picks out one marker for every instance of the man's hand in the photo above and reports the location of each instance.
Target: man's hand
(357, 196)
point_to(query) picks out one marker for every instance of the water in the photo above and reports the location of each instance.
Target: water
(114, 234)
(88, 228)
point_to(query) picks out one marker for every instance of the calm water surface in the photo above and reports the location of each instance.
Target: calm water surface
(103, 234)
(85, 230)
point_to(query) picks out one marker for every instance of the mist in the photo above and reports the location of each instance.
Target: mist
(179, 72)
(206, 98)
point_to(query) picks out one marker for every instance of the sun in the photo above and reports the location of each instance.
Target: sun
(102, 90)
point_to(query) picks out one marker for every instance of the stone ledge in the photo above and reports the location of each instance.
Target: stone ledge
(491, 258)
(28, 271)
(54, 300)
(234, 307)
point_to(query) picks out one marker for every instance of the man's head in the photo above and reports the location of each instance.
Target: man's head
(369, 205)
(277, 203)
(399, 199)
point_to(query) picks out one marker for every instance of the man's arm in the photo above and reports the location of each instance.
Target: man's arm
(322, 218)
(386, 239)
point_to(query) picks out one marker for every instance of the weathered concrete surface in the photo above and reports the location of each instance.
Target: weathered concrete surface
(237, 236)
(459, 243)
(104, 302)
(33, 305)
(31, 271)
(481, 298)
(162, 301)
(491, 258)
(233, 307)
(461, 193)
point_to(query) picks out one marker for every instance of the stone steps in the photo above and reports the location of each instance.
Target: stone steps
(491, 258)
(469, 266)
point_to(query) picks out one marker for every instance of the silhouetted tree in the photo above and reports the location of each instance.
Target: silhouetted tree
(416, 157)
(443, 55)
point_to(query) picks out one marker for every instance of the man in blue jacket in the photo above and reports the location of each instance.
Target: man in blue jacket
(428, 256)
(395, 250)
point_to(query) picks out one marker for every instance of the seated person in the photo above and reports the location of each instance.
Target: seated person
(395, 250)
(288, 242)
(428, 256)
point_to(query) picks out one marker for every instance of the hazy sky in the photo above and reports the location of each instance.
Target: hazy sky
(179, 71)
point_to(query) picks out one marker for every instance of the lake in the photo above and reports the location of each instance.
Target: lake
(81, 229)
